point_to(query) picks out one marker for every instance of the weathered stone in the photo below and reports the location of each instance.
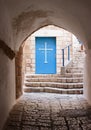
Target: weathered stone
(43, 111)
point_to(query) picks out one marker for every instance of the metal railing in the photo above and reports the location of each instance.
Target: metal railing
(68, 54)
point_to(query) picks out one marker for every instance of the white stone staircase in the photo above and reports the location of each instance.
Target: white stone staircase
(70, 83)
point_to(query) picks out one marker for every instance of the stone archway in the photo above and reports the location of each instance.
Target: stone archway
(19, 72)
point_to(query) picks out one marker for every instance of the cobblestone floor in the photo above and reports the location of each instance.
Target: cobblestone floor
(44, 111)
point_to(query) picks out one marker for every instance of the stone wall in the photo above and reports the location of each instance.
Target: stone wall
(7, 86)
(87, 76)
(19, 72)
(7, 64)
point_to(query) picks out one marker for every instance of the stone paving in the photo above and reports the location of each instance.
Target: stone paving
(45, 111)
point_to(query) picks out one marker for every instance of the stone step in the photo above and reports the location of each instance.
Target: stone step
(77, 60)
(77, 65)
(53, 90)
(78, 56)
(74, 70)
(54, 75)
(54, 85)
(59, 80)
(41, 75)
(70, 75)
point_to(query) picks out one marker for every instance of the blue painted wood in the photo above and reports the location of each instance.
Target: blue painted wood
(45, 55)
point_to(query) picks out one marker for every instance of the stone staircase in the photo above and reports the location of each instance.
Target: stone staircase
(69, 83)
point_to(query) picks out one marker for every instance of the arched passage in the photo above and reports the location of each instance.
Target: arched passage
(20, 18)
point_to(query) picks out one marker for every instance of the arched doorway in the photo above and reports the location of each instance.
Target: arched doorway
(26, 64)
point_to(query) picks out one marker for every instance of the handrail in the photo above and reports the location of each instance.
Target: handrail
(63, 56)
(67, 46)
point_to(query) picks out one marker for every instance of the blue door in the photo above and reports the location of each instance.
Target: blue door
(45, 55)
